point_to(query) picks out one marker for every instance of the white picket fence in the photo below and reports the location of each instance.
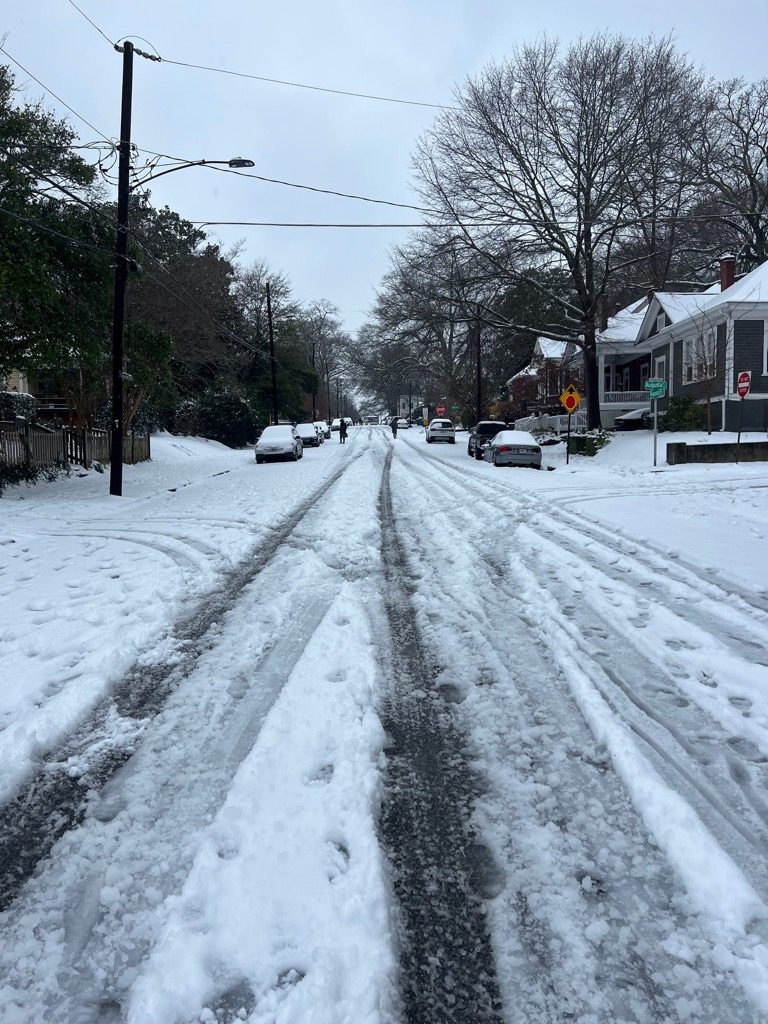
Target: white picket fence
(555, 424)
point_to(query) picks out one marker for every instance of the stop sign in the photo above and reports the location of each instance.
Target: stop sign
(744, 383)
(440, 410)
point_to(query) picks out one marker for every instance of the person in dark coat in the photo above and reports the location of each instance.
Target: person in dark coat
(393, 425)
(343, 432)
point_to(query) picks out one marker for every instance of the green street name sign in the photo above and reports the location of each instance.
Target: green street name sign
(656, 387)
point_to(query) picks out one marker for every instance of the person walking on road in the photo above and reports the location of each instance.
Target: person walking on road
(393, 424)
(343, 431)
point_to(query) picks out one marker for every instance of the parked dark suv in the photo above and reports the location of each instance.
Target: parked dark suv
(480, 434)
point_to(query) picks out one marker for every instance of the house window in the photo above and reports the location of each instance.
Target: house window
(645, 372)
(661, 367)
(625, 379)
(699, 358)
(661, 322)
(608, 379)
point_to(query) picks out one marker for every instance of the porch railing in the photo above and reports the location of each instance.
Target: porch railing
(556, 424)
(626, 398)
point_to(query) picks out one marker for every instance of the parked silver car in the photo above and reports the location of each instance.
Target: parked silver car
(308, 434)
(513, 448)
(279, 442)
(441, 430)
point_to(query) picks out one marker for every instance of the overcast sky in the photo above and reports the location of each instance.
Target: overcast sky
(416, 50)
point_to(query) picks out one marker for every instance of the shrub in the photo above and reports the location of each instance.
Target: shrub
(16, 403)
(24, 474)
(683, 414)
(221, 416)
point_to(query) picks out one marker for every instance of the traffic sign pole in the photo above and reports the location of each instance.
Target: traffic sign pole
(655, 427)
(568, 441)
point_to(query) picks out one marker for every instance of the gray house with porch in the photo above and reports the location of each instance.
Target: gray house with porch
(699, 343)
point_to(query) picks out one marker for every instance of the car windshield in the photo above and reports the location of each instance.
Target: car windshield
(442, 423)
(489, 429)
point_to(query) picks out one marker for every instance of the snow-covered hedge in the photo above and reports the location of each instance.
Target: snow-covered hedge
(16, 403)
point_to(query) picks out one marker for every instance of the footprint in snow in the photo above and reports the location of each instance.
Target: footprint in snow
(324, 774)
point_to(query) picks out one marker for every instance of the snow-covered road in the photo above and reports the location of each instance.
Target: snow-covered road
(385, 735)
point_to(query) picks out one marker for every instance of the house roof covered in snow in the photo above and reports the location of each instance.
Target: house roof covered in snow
(624, 326)
(548, 348)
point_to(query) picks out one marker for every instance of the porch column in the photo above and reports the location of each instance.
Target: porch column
(601, 377)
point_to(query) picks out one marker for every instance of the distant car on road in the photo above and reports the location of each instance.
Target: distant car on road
(481, 434)
(335, 424)
(441, 430)
(513, 448)
(279, 442)
(403, 424)
(308, 434)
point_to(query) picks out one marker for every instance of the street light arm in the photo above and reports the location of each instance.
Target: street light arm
(235, 162)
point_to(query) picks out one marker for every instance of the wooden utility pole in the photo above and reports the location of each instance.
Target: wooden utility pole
(478, 367)
(272, 361)
(121, 275)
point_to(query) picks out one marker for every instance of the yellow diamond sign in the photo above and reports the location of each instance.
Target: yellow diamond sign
(570, 399)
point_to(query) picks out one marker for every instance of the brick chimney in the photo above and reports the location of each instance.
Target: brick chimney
(727, 271)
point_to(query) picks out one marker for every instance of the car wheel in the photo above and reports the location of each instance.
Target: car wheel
(469, 450)
(259, 460)
(478, 455)
(452, 440)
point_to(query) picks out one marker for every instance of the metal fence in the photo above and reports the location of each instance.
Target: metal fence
(68, 447)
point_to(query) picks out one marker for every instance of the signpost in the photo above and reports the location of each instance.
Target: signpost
(570, 401)
(743, 386)
(656, 388)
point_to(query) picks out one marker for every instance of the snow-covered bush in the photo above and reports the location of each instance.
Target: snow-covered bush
(16, 403)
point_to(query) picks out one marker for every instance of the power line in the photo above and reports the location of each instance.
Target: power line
(56, 96)
(81, 11)
(58, 234)
(296, 224)
(302, 85)
(290, 184)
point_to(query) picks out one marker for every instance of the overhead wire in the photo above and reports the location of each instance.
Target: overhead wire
(91, 22)
(290, 184)
(71, 109)
(272, 81)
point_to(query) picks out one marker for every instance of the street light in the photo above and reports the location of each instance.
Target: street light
(121, 261)
(121, 253)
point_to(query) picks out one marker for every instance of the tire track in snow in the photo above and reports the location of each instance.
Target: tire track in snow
(54, 800)
(447, 965)
(724, 788)
(633, 977)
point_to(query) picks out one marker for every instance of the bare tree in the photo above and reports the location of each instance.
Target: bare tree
(536, 169)
(732, 146)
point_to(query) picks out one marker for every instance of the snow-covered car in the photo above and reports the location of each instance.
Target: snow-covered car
(335, 424)
(308, 434)
(441, 430)
(513, 448)
(279, 442)
(481, 434)
(323, 427)
(403, 424)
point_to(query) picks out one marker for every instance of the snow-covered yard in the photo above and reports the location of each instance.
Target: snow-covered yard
(597, 635)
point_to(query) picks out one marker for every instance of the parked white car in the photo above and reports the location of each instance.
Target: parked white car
(324, 428)
(279, 442)
(441, 430)
(335, 424)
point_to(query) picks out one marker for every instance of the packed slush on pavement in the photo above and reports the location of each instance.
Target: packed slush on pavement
(586, 688)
